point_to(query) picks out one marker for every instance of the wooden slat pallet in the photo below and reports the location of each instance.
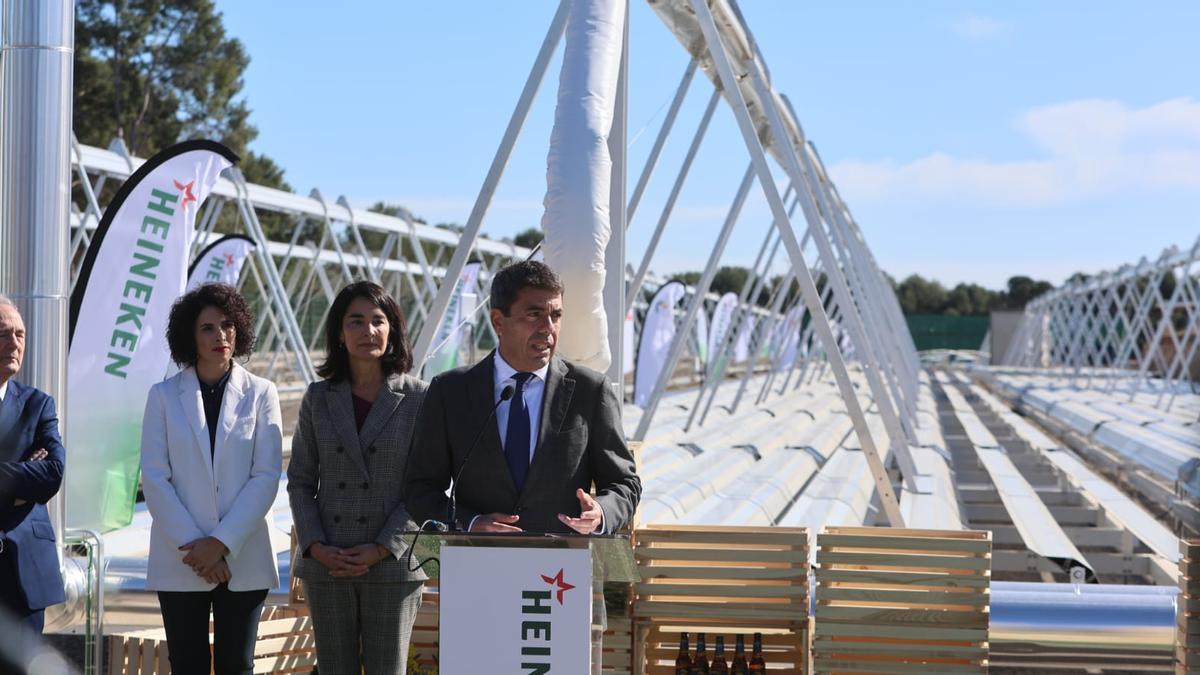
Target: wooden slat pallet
(618, 646)
(1187, 616)
(721, 581)
(285, 645)
(425, 631)
(901, 601)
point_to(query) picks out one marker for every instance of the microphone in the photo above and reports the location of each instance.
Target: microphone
(452, 506)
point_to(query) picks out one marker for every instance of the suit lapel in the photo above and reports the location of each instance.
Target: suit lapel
(10, 419)
(193, 410)
(341, 407)
(386, 404)
(482, 388)
(228, 415)
(555, 402)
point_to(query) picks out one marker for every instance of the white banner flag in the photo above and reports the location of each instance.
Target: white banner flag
(628, 341)
(741, 351)
(221, 261)
(449, 339)
(789, 337)
(138, 259)
(700, 339)
(657, 332)
(722, 318)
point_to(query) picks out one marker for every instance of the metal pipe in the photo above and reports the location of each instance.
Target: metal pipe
(37, 49)
(1081, 625)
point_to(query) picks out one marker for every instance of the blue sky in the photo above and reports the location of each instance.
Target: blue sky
(972, 141)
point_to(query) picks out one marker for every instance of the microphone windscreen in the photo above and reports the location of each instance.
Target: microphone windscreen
(507, 393)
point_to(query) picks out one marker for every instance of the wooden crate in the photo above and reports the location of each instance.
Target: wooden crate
(142, 652)
(1187, 613)
(618, 646)
(425, 630)
(285, 642)
(893, 600)
(721, 581)
(295, 590)
(285, 645)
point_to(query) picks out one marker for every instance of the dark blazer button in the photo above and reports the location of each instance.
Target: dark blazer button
(362, 519)
(366, 485)
(339, 449)
(337, 519)
(342, 485)
(371, 450)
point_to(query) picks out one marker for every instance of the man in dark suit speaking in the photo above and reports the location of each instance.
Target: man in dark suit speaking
(559, 433)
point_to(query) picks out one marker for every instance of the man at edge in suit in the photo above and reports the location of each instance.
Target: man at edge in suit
(558, 435)
(31, 471)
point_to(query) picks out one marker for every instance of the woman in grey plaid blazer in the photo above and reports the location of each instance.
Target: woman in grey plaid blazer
(344, 483)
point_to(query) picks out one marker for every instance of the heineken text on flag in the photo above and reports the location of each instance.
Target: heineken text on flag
(135, 268)
(221, 261)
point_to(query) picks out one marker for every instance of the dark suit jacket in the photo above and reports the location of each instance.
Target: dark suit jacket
(345, 486)
(579, 442)
(28, 421)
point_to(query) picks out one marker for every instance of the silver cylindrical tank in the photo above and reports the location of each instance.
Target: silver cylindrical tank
(37, 47)
(1082, 625)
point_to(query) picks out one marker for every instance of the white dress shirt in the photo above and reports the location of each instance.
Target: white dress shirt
(534, 390)
(3, 390)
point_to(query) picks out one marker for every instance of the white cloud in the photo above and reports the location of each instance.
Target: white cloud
(1089, 148)
(979, 27)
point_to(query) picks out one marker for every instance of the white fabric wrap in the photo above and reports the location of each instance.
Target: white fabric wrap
(578, 176)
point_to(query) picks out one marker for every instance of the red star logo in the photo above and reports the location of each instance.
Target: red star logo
(557, 580)
(187, 192)
(228, 258)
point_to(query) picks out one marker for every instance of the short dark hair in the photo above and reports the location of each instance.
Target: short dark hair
(181, 326)
(508, 282)
(397, 359)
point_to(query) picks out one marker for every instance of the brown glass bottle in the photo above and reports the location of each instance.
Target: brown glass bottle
(683, 662)
(719, 665)
(757, 663)
(739, 667)
(700, 660)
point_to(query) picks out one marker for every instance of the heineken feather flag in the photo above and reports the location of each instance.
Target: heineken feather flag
(449, 340)
(136, 266)
(721, 321)
(221, 261)
(657, 332)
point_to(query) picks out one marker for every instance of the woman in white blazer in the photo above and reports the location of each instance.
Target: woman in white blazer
(211, 462)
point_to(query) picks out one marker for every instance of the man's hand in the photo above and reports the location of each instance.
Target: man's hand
(590, 516)
(336, 561)
(496, 522)
(203, 555)
(220, 573)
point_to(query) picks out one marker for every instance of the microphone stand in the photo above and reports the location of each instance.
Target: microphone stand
(452, 505)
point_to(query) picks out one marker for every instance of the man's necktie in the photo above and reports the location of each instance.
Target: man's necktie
(516, 438)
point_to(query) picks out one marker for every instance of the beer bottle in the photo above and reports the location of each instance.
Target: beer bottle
(740, 667)
(757, 663)
(700, 660)
(683, 662)
(718, 663)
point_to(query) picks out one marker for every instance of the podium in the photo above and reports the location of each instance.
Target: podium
(522, 603)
